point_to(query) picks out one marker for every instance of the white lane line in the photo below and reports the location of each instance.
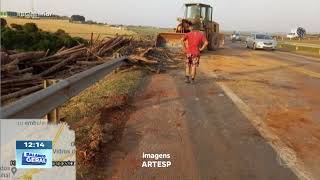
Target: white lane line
(284, 152)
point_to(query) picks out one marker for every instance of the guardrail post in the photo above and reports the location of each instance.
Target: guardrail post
(297, 48)
(53, 116)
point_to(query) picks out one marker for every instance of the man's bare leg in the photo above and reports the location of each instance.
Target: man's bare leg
(193, 72)
(188, 69)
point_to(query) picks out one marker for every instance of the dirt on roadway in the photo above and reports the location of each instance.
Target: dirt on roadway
(201, 128)
(281, 88)
(207, 132)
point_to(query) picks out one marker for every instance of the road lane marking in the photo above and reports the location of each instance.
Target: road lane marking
(275, 142)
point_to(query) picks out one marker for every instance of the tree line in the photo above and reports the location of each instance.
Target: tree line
(29, 37)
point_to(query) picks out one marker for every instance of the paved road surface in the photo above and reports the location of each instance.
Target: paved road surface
(205, 132)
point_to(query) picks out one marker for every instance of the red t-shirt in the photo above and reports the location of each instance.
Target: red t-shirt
(194, 41)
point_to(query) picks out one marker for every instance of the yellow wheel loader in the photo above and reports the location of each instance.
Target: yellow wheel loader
(195, 13)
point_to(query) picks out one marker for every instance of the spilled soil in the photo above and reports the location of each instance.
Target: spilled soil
(298, 132)
(282, 89)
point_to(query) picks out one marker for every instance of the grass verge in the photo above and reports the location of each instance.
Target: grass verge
(90, 114)
(315, 52)
(316, 42)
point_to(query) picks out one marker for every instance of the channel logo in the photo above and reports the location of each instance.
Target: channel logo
(33, 154)
(29, 158)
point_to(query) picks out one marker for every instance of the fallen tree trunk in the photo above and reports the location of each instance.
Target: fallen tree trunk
(30, 69)
(27, 56)
(90, 62)
(22, 92)
(61, 64)
(64, 53)
(21, 84)
(20, 80)
(71, 49)
(12, 66)
(135, 58)
(4, 57)
(46, 62)
(114, 43)
(10, 90)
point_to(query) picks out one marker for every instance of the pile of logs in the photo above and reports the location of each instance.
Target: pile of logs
(23, 73)
(154, 59)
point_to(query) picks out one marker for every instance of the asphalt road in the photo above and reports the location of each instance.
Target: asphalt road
(211, 129)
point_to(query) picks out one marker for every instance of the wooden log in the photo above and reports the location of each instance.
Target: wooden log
(65, 50)
(12, 52)
(30, 69)
(85, 58)
(22, 92)
(98, 49)
(64, 53)
(27, 56)
(20, 80)
(47, 62)
(90, 62)
(21, 84)
(135, 58)
(94, 56)
(97, 39)
(5, 91)
(61, 64)
(47, 53)
(144, 53)
(12, 66)
(91, 40)
(4, 58)
(62, 49)
(113, 45)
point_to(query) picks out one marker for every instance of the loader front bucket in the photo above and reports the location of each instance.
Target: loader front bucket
(169, 40)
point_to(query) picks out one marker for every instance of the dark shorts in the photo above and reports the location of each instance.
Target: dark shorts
(193, 60)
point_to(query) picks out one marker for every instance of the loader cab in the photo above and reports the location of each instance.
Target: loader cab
(198, 11)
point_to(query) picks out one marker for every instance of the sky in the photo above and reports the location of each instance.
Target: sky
(242, 15)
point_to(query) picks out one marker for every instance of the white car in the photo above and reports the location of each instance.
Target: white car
(261, 41)
(292, 35)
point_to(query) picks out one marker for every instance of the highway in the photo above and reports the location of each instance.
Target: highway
(250, 115)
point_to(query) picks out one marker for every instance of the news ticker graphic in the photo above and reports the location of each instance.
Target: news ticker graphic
(34, 154)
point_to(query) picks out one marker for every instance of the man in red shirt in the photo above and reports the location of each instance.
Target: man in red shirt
(193, 42)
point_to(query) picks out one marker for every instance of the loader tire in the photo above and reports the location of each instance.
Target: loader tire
(213, 42)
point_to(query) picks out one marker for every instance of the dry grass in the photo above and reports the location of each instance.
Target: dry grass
(85, 113)
(80, 30)
(304, 41)
(90, 101)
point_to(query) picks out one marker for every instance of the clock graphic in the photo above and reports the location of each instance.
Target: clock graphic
(34, 154)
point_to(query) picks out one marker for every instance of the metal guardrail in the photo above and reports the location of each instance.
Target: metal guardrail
(298, 46)
(302, 44)
(282, 38)
(38, 104)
